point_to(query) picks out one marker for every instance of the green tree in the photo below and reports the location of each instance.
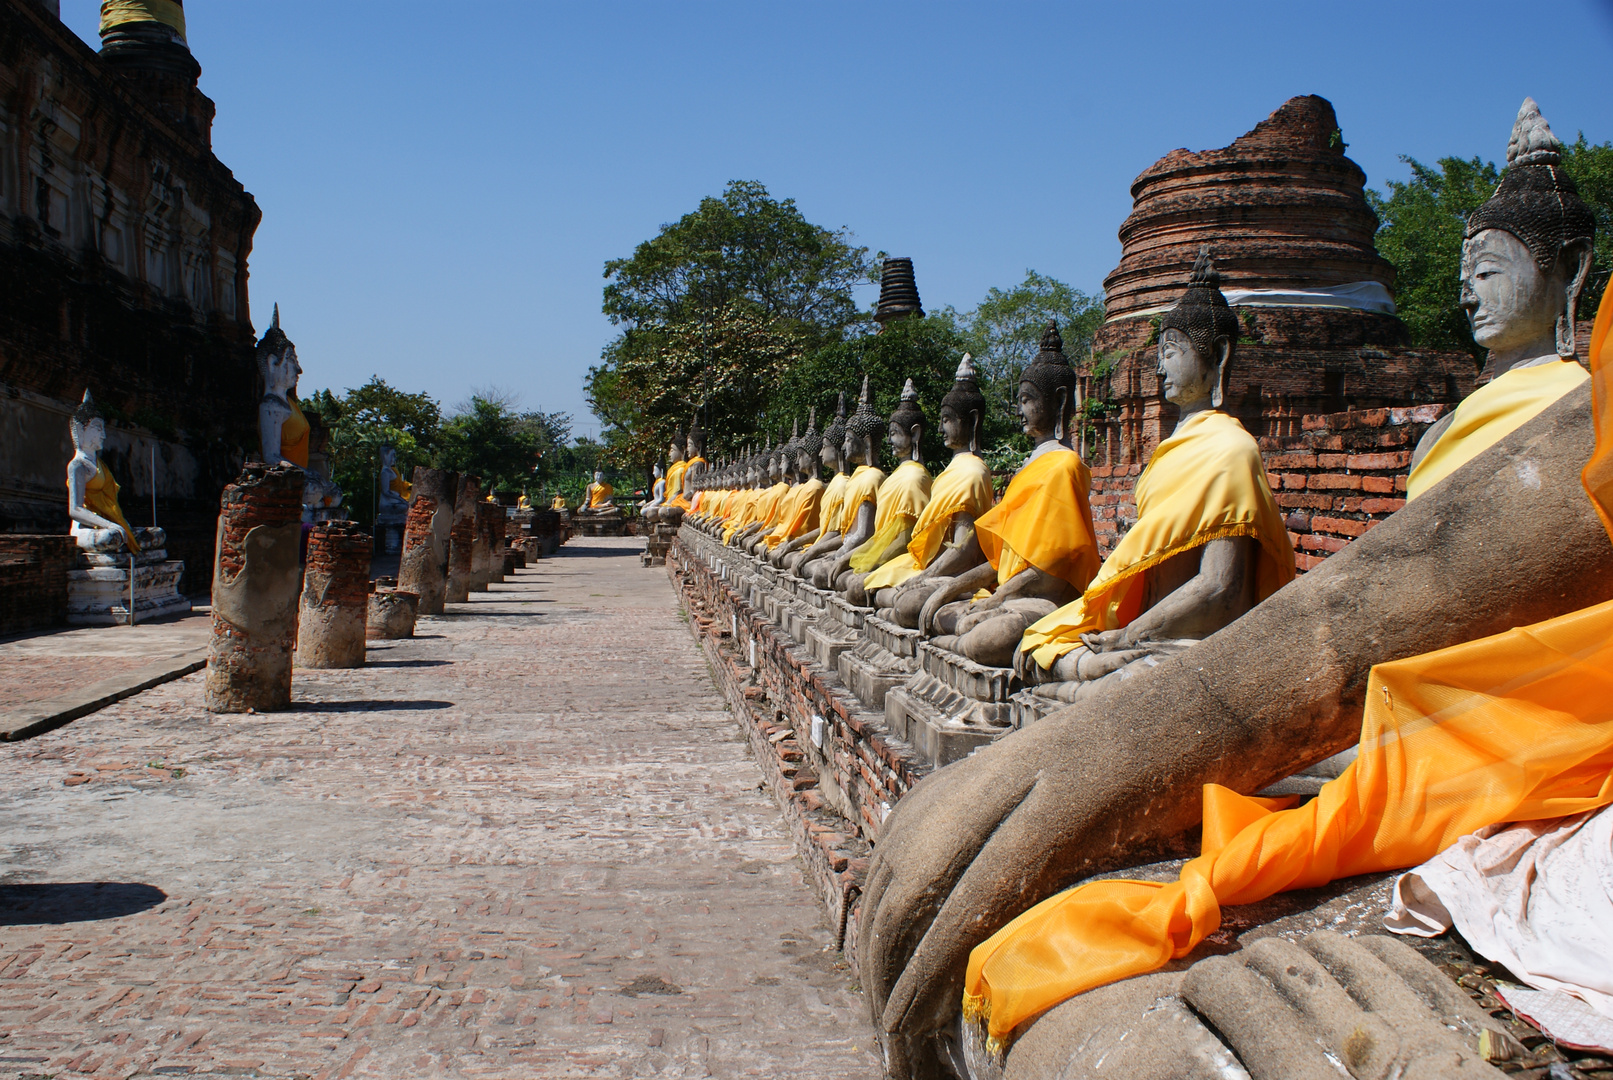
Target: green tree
(1591, 166)
(489, 438)
(361, 422)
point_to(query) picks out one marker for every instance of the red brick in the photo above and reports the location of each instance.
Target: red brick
(1290, 461)
(1378, 485)
(1332, 461)
(1318, 542)
(1294, 481)
(1291, 501)
(1381, 506)
(1341, 526)
(1333, 482)
(1397, 460)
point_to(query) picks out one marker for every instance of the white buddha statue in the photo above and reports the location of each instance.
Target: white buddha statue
(282, 428)
(92, 493)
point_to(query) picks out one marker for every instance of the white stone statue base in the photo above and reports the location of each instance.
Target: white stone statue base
(98, 590)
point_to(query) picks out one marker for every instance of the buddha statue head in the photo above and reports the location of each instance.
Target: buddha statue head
(833, 451)
(786, 453)
(809, 448)
(1527, 251)
(1047, 390)
(657, 471)
(907, 425)
(277, 360)
(87, 428)
(674, 452)
(599, 477)
(963, 410)
(1196, 341)
(696, 441)
(862, 428)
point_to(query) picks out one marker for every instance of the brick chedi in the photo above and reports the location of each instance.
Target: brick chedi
(1284, 212)
(123, 267)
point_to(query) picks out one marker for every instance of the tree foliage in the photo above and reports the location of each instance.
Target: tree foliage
(361, 422)
(1422, 221)
(488, 437)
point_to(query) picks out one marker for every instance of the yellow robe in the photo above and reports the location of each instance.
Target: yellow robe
(1206, 482)
(1489, 414)
(901, 499)
(674, 484)
(863, 486)
(743, 513)
(294, 435)
(771, 504)
(101, 497)
(1044, 521)
(834, 498)
(405, 490)
(598, 493)
(801, 513)
(964, 487)
(1513, 727)
(559, 503)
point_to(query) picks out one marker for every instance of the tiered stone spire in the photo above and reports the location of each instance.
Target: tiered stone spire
(898, 294)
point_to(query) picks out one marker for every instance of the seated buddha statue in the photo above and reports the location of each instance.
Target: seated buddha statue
(825, 538)
(282, 428)
(858, 507)
(1038, 543)
(395, 490)
(781, 495)
(943, 543)
(524, 502)
(680, 496)
(672, 486)
(1209, 542)
(558, 502)
(769, 491)
(802, 509)
(649, 506)
(900, 500)
(98, 524)
(742, 511)
(599, 498)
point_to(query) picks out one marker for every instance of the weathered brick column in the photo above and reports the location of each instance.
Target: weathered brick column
(481, 551)
(255, 591)
(505, 560)
(335, 596)
(462, 538)
(392, 614)
(425, 571)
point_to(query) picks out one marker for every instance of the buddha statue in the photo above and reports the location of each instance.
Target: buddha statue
(558, 502)
(673, 485)
(771, 489)
(395, 490)
(825, 539)
(1209, 542)
(901, 499)
(858, 508)
(943, 543)
(1038, 543)
(98, 525)
(524, 502)
(770, 513)
(758, 479)
(648, 508)
(681, 489)
(1525, 258)
(282, 428)
(802, 513)
(599, 498)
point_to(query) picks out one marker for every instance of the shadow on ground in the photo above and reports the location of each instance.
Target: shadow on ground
(367, 706)
(53, 903)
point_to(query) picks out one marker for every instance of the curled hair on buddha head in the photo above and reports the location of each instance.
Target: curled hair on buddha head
(965, 398)
(697, 437)
(908, 412)
(1202, 313)
(835, 433)
(273, 343)
(1537, 202)
(82, 416)
(865, 423)
(812, 442)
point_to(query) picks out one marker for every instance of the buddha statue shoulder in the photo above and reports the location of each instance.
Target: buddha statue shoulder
(825, 539)
(283, 430)
(901, 499)
(942, 543)
(1209, 542)
(97, 522)
(1038, 542)
(859, 504)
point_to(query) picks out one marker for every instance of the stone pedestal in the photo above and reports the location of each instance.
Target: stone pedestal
(659, 543)
(391, 614)
(885, 658)
(255, 577)
(420, 568)
(607, 523)
(98, 590)
(462, 539)
(334, 610)
(836, 630)
(950, 705)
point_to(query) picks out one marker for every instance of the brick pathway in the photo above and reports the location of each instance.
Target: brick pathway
(528, 843)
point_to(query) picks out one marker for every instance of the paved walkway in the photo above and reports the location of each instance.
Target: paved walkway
(528, 843)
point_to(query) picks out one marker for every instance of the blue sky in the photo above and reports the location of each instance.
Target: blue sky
(442, 182)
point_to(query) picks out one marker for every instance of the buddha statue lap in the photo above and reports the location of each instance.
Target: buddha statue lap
(1108, 780)
(943, 543)
(1209, 542)
(858, 508)
(283, 430)
(825, 539)
(901, 499)
(1038, 544)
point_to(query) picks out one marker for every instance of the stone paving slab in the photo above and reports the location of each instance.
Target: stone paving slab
(529, 842)
(38, 668)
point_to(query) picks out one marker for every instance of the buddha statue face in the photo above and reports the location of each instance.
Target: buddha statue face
(1040, 412)
(831, 452)
(674, 452)
(804, 465)
(858, 450)
(1186, 378)
(90, 437)
(956, 431)
(903, 439)
(281, 371)
(599, 477)
(1511, 303)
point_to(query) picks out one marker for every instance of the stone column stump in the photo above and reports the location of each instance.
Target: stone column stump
(392, 614)
(462, 538)
(427, 573)
(335, 596)
(419, 569)
(481, 553)
(255, 591)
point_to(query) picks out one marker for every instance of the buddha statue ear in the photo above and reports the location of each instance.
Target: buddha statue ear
(1580, 251)
(974, 432)
(916, 432)
(1223, 370)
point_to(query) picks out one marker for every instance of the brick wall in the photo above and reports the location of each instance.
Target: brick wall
(1114, 503)
(33, 581)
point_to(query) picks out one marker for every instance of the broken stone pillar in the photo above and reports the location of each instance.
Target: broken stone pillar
(335, 596)
(424, 567)
(462, 539)
(392, 614)
(503, 564)
(255, 591)
(481, 554)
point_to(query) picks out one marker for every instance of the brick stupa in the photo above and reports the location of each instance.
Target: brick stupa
(1283, 211)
